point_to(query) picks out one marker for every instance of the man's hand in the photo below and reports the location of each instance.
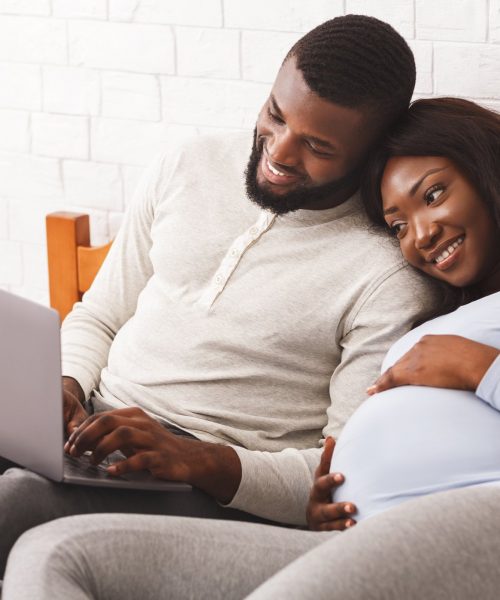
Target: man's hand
(213, 468)
(73, 412)
(446, 361)
(322, 513)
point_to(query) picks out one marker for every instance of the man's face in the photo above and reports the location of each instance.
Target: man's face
(307, 151)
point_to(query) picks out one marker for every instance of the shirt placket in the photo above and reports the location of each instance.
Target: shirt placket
(232, 258)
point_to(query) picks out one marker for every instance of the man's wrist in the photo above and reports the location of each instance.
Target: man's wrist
(215, 469)
(71, 385)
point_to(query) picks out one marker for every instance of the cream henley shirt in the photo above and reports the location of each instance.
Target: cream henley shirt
(238, 326)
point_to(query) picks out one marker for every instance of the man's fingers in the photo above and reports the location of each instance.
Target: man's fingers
(324, 485)
(138, 462)
(339, 525)
(91, 431)
(123, 438)
(326, 457)
(336, 510)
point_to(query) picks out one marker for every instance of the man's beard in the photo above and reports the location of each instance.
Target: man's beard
(302, 196)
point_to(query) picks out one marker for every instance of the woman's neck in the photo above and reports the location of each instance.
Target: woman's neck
(490, 284)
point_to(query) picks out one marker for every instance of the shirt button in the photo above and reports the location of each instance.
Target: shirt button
(253, 230)
(234, 252)
(218, 279)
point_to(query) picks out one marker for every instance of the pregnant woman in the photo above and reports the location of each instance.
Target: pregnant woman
(427, 440)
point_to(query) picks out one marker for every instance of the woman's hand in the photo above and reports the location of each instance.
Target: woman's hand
(446, 361)
(322, 513)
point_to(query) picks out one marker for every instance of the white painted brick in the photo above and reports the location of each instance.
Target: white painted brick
(130, 177)
(99, 230)
(208, 52)
(26, 176)
(262, 53)
(470, 70)
(490, 104)
(128, 142)
(80, 9)
(186, 12)
(423, 61)
(26, 39)
(4, 219)
(11, 265)
(460, 20)
(35, 266)
(115, 221)
(71, 90)
(280, 15)
(31, 293)
(93, 185)
(170, 133)
(14, 131)
(60, 136)
(130, 96)
(120, 46)
(398, 13)
(494, 21)
(211, 102)
(27, 220)
(25, 7)
(20, 86)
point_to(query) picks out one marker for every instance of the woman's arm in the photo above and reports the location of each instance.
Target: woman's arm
(446, 361)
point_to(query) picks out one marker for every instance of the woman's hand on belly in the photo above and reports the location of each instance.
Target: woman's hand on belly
(322, 513)
(445, 361)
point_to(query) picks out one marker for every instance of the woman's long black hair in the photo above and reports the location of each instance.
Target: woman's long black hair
(461, 131)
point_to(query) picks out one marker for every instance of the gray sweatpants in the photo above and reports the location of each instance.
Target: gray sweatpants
(28, 500)
(443, 546)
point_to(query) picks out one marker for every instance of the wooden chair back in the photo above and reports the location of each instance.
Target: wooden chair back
(72, 262)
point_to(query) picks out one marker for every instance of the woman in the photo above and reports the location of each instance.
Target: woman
(439, 193)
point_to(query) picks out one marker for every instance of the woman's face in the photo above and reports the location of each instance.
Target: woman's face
(443, 226)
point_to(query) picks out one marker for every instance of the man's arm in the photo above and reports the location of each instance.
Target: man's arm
(276, 485)
(88, 331)
(273, 485)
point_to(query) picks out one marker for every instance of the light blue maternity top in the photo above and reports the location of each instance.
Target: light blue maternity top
(415, 440)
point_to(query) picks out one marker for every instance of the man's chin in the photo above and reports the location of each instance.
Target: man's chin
(280, 202)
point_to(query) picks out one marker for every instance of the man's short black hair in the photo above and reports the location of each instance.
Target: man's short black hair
(358, 62)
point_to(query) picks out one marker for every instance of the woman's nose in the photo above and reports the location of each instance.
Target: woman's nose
(426, 233)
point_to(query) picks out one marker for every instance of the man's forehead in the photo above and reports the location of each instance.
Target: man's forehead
(304, 109)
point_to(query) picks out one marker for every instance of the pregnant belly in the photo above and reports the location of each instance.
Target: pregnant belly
(415, 440)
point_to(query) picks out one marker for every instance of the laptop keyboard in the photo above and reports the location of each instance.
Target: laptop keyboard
(82, 467)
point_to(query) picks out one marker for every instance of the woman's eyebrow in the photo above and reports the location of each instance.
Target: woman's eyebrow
(418, 183)
(390, 210)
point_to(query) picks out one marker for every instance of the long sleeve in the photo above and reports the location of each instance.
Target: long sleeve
(489, 387)
(276, 485)
(88, 331)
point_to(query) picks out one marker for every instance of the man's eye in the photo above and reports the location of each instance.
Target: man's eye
(274, 117)
(317, 151)
(433, 193)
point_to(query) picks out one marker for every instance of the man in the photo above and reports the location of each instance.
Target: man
(249, 313)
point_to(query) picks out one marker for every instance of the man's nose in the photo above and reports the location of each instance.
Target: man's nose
(283, 149)
(426, 233)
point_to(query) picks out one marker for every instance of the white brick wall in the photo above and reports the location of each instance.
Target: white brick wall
(91, 89)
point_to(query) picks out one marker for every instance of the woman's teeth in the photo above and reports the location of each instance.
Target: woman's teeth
(451, 248)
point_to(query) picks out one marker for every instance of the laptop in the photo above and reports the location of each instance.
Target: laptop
(31, 406)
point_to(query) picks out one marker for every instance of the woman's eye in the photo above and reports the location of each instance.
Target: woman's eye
(397, 228)
(433, 193)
